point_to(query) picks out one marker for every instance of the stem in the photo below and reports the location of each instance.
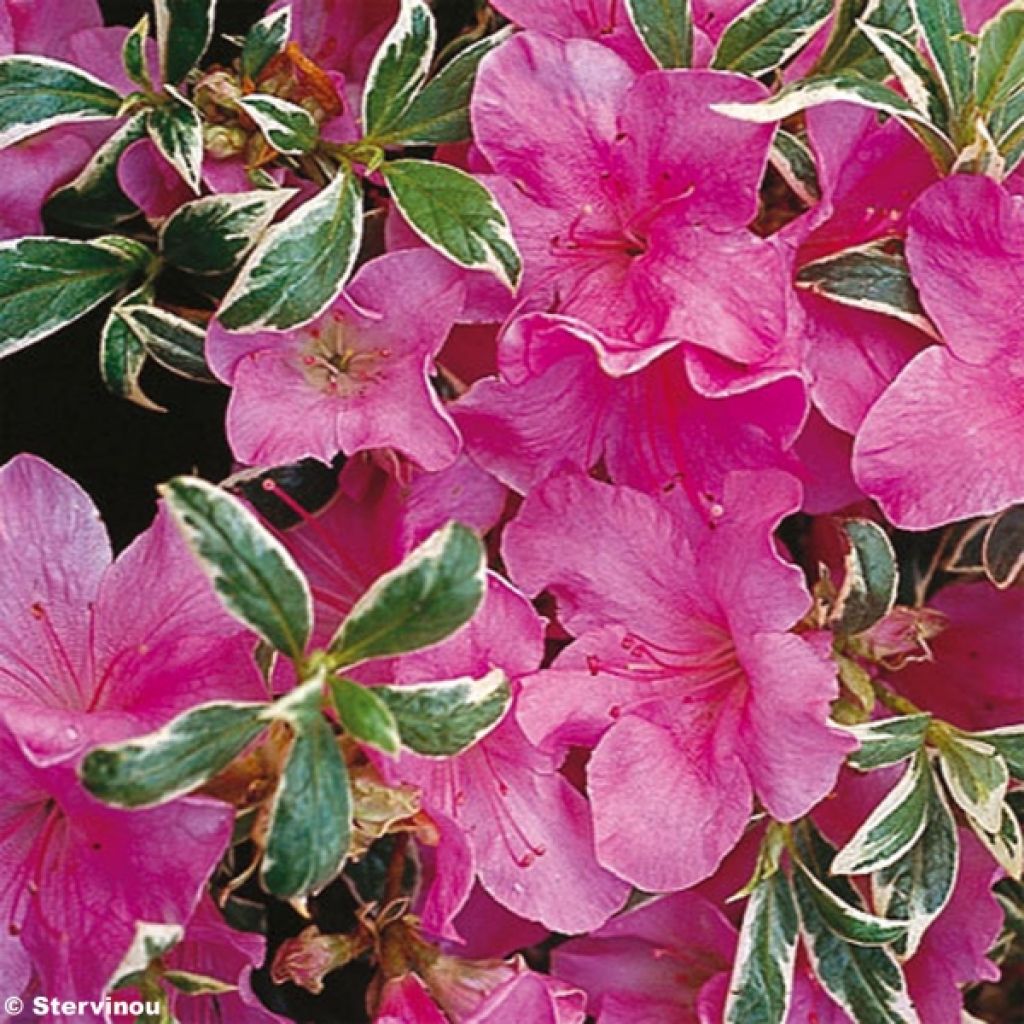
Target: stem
(893, 701)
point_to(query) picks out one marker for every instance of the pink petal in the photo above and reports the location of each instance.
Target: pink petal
(531, 997)
(150, 182)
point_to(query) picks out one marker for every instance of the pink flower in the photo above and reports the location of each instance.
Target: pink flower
(629, 199)
(946, 439)
(519, 826)
(651, 429)
(357, 378)
(93, 651)
(78, 874)
(684, 677)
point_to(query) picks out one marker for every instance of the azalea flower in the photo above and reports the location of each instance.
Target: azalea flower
(684, 677)
(631, 224)
(946, 440)
(356, 379)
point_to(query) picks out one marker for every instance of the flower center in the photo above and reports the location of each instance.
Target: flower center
(337, 361)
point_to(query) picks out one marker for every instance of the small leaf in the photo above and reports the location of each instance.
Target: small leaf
(888, 741)
(94, 199)
(761, 986)
(793, 159)
(122, 356)
(874, 276)
(1009, 742)
(1007, 124)
(767, 33)
(255, 576)
(289, 128)
(151, 941)
(133, 54)
(455, 214)
(193, 984)
(444, 719)
(436, 589)
(184, 29)
(174, 760)
(913, 72)
(399, 69)
(211, 235)
(999, 73)
(37, 93)
(977, 777)
(917, 887)
(1006, 845)
(177, 131)
(893, 826)
(944, 32)
(866, 981)
(301, 264)
(849, 50)
(440, 112)
(176, 344)
(46, 283)
(264, 41)
(1003, 547)
(310, 818)
(666, 29)
(871, 579)
(365, 715)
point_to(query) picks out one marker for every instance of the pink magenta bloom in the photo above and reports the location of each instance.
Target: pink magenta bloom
(684, 677)
(78, 874)
(946, 440)
(357, 378)
(526, 831)
(630, 198)
(653, 429)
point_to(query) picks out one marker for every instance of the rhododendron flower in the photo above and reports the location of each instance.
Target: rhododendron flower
(91, 651)
(685, 676)
(946, 440)
(631, 224)
(357, 378)
(518, 825)
(79, 874)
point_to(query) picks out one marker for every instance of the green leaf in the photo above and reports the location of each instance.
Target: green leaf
(150, 942)
(177, 131)
(888, 741)
(399, 69)
(176, 344)
(289, 128)
(866, 981)
(184, 29)
(893, 826)
(193, 984)
(944, 32)
(455, 214)
(666, 29)
(444, 719)
(310, 818)
(440, 112)
(793, 159)
(870, 581)
(133, 54)
(977, 777)
(436, 589)
(917, 887)
(849, 50)
(301, 264)
(46, 283)
(1007, 125)
(174, 760)
(211, 235)
(1002, 550)
(264, 41)
(94, 198)
(1006, 845)
(255, 576)
(873, 276)
(913, 72)
(1009, 742)
(122, 356)
(768, 33)
(761, 985)
(37, 93)
(849, 921)
(365, 715)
